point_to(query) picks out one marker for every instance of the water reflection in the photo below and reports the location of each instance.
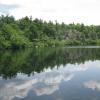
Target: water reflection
(94, 85)
(45, 83)
(35, 73)
(34, 60)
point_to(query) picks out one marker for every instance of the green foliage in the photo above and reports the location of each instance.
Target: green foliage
(27, 32)
(32, 60)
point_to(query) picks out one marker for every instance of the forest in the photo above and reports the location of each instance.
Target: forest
(29, 32)
(32, 60)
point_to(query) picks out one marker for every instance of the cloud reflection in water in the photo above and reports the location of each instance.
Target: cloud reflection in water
(44, 83)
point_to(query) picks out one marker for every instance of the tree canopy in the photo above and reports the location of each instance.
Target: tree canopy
(27, 32)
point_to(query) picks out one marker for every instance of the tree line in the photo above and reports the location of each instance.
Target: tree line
(28, 32)
(32, 60)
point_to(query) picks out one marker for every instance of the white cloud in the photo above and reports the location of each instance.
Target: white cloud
(94, 85)
(44, 83)
(85, 11)
(20, 88)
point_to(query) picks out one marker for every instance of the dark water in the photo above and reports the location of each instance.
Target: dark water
(50, 74)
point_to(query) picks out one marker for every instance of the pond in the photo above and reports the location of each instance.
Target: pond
(50, 74)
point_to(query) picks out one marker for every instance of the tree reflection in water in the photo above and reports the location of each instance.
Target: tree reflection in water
(33, 60)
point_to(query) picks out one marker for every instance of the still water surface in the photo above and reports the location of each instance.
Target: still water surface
(50, 74)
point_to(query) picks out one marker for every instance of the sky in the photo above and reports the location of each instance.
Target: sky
(67, 11)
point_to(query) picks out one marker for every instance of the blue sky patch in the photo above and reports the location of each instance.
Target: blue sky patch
(4, 8)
